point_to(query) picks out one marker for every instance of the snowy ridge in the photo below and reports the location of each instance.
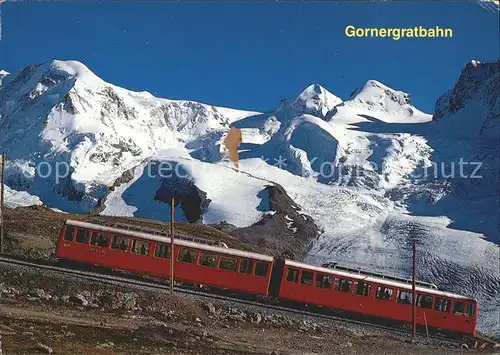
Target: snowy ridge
(15, 199)
(299, 145)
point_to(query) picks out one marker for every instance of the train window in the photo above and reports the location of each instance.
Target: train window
(99, 239)
(292, 275)
(82, 236)
(442, 304)
(469, 310)
(362, 288)
(163, 251)
(121, 243)
(424, 301)
(342, 285)
(246, 266)
(458, 308)
(405, 297)
(261, 269)
(209, 260)
(323, 281)
(227, 264)
(140, 247)
(307, 278)
(384, 293)
(187, 256)
(68, 233)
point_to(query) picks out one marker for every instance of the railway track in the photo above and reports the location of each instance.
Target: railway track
(113, 278)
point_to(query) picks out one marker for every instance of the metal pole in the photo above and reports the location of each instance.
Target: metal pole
(172, 254)
(2, 193)
(426, 329)
(414, 296)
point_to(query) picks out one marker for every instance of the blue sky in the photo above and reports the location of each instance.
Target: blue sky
(249, 55)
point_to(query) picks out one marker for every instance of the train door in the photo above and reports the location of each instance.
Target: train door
(441, 312)
(276, 276)
(470, 316)
(463, 316)
(65, 241)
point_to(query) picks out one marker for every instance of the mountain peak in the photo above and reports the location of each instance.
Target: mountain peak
(374, 91)
(70, 69)
(474, 62)
(55, 76)
(315, 100)
(376, 96)
(73, 67)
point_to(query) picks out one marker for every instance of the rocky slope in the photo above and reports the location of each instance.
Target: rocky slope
(473, 104)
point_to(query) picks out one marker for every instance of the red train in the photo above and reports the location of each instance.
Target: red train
(264, 275)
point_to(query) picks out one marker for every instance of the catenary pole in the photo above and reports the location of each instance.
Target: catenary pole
(172, 253)
(2, 194)
(414, 296)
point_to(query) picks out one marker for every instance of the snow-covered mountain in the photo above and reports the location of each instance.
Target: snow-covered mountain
(372, 171)
(377, 97)
(315, 100)
(68, 114)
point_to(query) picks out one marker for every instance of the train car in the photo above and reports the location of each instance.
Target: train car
(263, 275)
(150, 254)
(377, 297)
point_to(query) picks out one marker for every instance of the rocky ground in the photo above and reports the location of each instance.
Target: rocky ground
(49, 312)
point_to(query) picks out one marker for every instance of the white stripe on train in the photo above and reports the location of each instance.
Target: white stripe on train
(381, 282)
(157, 238)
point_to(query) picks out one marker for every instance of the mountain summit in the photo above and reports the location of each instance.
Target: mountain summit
(376, 96)
(315, 100)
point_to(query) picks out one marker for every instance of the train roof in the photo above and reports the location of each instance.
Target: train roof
(377, 280)
(365, 272)
(158, 232)
(161, 239)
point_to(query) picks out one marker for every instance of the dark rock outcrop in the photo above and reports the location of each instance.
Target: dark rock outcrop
(192, 200)
(126, 177)
(284, 232)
